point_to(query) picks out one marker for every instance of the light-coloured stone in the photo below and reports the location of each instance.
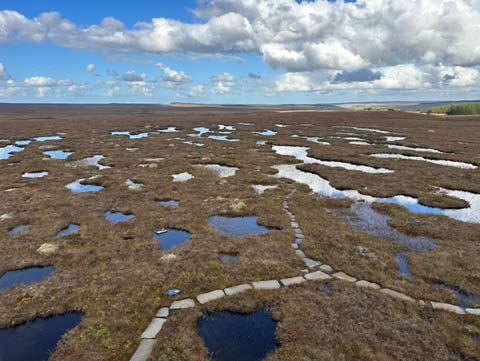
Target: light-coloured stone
(448, 307)
(266, 285)
(153, 328)
(366, 284)
(168, 257)
(210, 296)
(5, 217)
(318, 275)
(310, 263)
(396, 294)
(299, 234)
(182, 304)
(237, 289)
(163, 312)
(326, 268)
(473, 311)
(300, 253)
(144, 350)
(294, 224)
(344, 277)
(47, 249)
(294, 246)
(292, 281)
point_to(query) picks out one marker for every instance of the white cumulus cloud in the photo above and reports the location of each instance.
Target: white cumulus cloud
(91, 68)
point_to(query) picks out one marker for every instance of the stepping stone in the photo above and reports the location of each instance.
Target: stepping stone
(153, 328)
(294, 246)
(473, 311)
(266, 285)
(294, 225)
(292, 281)
(326, 268)
(344, 277)
(310, 263)
(210, 296)
(163, 312)
(447, 307)
(182, 304)
(299, 235)
(144, 350)
(318, 275)
(237, 289)
(396, 294)
(300, 253)
(366, 284)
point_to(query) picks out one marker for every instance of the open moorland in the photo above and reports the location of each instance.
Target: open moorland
(357, 232)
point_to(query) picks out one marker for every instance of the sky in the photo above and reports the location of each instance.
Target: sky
(239, 51)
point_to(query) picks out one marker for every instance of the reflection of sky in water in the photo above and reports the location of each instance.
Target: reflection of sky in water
(58, 154)
(78, 187)
(6, 152)
(48, 138)
(444, 162)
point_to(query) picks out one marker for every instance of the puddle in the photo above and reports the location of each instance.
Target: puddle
(173, 291)
(130, 135)
(189, 142)
(245, 123)
(376, 224)
(8, 150)
(79, 187)
(23, 142)
(182, 177)
(371, 130)
(464, 299)
(34, 174)
(260, 189)
(48, 138)
(36, 340)
(261, 142)
(237, 226)
(416, 149)
(24, 276)
(240, 337)
(117, 217)
(267, 132)
(169, 238)
(223, 138)
(360, 143)
(57, 154)
(403, 267)
(133, 185)
(18, 229)
(300, 153)
(448, 163)
(168, 130)
(316, 140)
(226, 127)
(200, 131)
(89, 162)
(394, 139)
(131, 149)
(72, 228)
(357, 139)
(168, 203)
(281, 125)
(221, 171)
(228, 258)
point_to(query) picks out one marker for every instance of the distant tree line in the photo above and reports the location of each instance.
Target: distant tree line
(456, 109)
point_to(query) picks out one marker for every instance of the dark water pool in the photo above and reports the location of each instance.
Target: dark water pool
(238, 337)
(37, 339)
(237, 226)
(18, 229)
(169, 238)
(403, 266)
(24, 276)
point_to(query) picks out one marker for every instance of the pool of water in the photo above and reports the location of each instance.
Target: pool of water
(37, 339)
(168, 203)
(237, 226)
(78, 187)
(416, 149)
(301, 154)
(24, 276)
(34, 174)
(168, 130)
(71, 228)
(130, 135)
(18, 229)
(57, 154)
(48, 138)
(444, 162)
(464, 299)
(223, 138)
(117, 217)
(241, 337)
(169, 238)
(403, 266)
(182, 177)
(371, 130)
(394, 139)
(267, 132)
(8, 150)
(173, 291)
(221, 171)
(260, 188)
(23, 142)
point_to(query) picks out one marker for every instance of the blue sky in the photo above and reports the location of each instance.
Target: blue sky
(242, 51)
